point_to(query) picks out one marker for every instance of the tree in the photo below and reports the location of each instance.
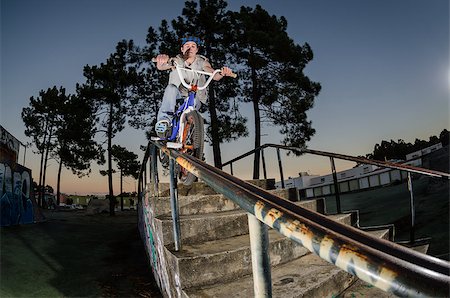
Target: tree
(444, 137)
(209, 21)
(41, 119)
(62, 127)
(272, 77)
(398, 150)
(148, 89)
(76, 147)
(110, 87)
(128, 165)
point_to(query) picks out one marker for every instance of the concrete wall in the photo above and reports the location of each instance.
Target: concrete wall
(16, 200)
(151, 234)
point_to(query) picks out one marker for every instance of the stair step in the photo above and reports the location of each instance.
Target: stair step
(362, 289)
(201, 188)
(204, 227)
(381, 233)
(202, 204)
(197, 204)
(307, 276)
(213, 226)
(317, 205)
(228, 259)
(197, 188)
(203, 263)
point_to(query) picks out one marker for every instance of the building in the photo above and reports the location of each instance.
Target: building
(361, 177)
(17, 202)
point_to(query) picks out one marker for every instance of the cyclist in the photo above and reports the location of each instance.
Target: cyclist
(188, 59)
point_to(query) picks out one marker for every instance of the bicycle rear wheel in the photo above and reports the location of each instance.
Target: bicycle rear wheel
(193, 136)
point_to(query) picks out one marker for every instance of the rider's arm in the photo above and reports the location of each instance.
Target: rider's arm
(218, 76)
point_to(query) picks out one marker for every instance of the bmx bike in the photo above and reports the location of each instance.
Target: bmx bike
(187, 130)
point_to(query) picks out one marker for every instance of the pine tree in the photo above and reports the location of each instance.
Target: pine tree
(272, 77)
(110, 87)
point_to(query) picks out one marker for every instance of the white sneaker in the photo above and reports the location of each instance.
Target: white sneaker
(162, 128)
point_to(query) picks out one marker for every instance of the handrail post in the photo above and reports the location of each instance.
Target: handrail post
(264, 163)
(336, 186)
(259, 245)
(280, 166)
(412, 208)
(174, 206)
(145, 176)
(154, 171)
(231, 169)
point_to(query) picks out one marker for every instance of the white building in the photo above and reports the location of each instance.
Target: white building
(358, 178)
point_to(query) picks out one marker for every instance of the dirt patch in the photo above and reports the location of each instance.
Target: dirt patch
(74, 254)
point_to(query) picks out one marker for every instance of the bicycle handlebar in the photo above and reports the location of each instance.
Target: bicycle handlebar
(211, 75)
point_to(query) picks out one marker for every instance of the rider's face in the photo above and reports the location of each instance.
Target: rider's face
(189, 49)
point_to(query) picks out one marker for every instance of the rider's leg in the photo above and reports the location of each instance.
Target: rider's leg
(171, 93)
(167, 109)
(198, 104)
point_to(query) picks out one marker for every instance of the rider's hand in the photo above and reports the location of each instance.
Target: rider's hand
(162, 59)
(225, 71)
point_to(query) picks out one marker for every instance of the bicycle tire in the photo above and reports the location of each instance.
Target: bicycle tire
(193, 143)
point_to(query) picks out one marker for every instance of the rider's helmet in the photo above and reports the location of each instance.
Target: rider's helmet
(195, 39)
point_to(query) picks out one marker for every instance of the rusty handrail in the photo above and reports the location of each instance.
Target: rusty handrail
(384, 264)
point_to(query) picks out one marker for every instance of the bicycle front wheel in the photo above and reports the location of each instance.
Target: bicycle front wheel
(193, 143)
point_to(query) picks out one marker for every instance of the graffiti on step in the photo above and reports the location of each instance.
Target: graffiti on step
(16, 202)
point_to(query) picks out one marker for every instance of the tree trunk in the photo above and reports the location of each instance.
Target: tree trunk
(41, 170)
(257, 140)
(47, 149)
(121, 190)
(214, 130)
(255, 101)
(110, 180)
(58, 184)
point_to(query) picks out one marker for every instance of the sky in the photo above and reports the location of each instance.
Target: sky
(383, 66)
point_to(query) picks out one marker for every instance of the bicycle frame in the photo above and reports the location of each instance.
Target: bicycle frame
(188, 104)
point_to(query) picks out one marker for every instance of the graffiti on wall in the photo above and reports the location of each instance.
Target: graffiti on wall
(9, 146)
(154, 247)
(16, 201)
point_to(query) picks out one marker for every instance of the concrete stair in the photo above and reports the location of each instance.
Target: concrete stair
(306, 276)
(203, 263)
(215, 258)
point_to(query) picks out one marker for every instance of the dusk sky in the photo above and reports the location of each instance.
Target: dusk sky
(383, 66)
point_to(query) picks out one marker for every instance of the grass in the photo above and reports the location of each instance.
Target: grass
(391, 205)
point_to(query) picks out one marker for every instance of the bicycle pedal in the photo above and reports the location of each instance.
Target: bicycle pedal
(173, 145)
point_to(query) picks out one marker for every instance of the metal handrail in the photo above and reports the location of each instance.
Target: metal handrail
(385, 164)
(381, 263)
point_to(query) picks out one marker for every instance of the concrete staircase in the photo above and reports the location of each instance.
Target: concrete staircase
(215, 259)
